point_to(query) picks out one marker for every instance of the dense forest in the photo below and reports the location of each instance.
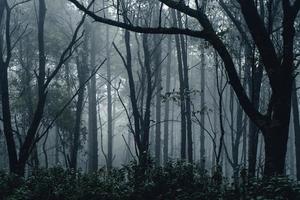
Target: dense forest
(149, 99)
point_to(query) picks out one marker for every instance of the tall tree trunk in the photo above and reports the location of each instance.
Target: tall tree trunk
(7, 126)
(186, 86)
(26, 79)
(167, 104)
(202, 107)
(158, 66)
(144, 150)
(92, 114)
(109, 105)
(181, 91)
(172, 134)
(82, 71)
(158, 62)
(239, 132)
(78, 114)
(254, 90)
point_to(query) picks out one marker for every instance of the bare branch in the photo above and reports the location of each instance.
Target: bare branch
(139, 29)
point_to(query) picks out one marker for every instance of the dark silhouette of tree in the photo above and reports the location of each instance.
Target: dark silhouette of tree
(18, 158)
(279, 67)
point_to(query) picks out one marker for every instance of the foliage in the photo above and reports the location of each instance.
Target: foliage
(175, 181)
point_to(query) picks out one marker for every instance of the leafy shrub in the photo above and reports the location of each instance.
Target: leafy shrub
(9, 184)
(175, 181)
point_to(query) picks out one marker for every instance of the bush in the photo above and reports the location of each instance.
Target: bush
(9, 184)
(175, 181)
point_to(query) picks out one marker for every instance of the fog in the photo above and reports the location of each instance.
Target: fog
(100, 84)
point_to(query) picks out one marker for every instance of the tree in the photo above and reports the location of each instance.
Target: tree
(279, 68)
(18, 158)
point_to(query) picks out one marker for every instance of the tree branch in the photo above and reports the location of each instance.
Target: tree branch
(139, 29)
(209, 34)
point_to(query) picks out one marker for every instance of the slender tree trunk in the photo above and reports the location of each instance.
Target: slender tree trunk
(26, 78)
(92, 114)
(167, 104)
(186, 86)
(78, 114)
(202, 117)
(238, 134)
(158, 66)
(109, 105)
(158, 39)
(5, 103)
(82, 71)
(7, 126)
(254, 90)
(144, 150)
(181, 91)
(172, 134)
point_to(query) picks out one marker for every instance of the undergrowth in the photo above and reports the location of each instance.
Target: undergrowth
(175, 181)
